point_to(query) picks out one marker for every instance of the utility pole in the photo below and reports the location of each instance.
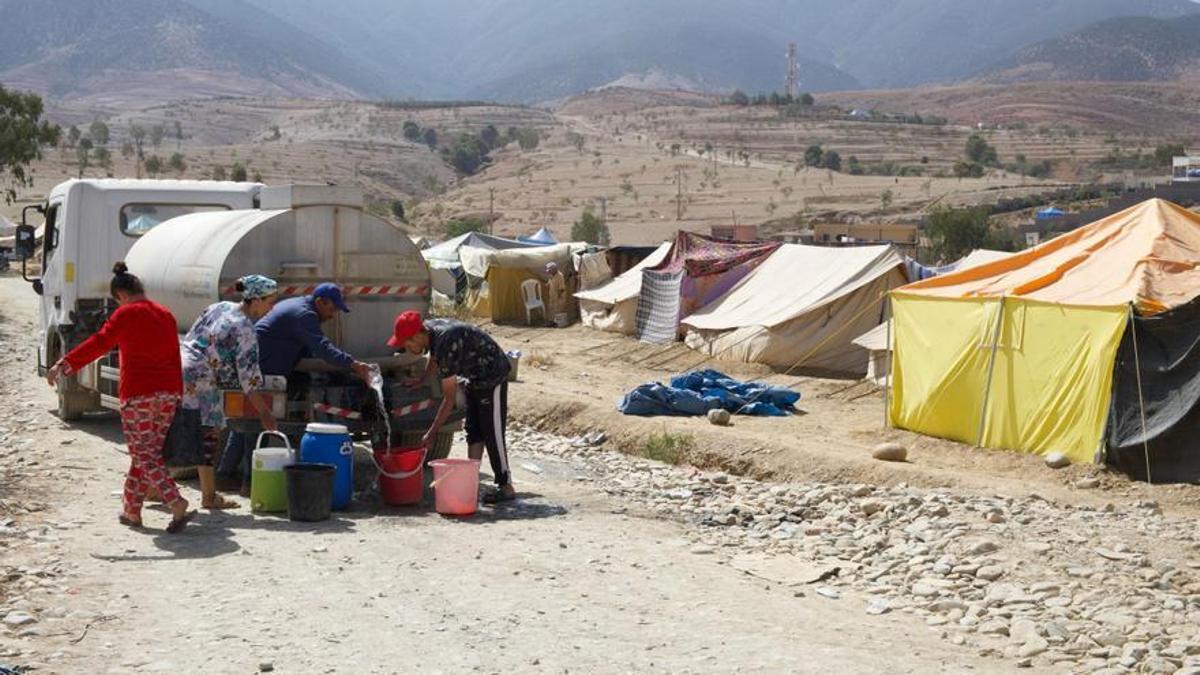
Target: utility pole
(793, 72)
(491, 209)
(604, 211)
(678, 193)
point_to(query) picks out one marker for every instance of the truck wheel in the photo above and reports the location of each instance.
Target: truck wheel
(73, 400)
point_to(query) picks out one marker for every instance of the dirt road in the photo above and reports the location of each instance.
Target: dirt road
(569, 580)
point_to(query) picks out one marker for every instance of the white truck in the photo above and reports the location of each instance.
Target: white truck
(87, 226)
(190, 241)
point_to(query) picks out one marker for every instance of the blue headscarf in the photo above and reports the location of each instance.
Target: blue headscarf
(257, 286)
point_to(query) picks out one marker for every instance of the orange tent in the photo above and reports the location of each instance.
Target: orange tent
(1019, 353)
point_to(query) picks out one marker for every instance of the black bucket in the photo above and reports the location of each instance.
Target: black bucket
(309, 491)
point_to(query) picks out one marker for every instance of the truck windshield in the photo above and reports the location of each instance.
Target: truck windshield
(138, 219)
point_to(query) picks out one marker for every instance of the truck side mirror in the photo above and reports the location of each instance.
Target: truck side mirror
(26, 242)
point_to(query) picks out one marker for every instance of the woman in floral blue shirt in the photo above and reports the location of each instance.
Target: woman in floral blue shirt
(221, 352)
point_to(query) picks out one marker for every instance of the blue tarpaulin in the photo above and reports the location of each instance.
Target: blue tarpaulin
(698, 392)
(1050, 212)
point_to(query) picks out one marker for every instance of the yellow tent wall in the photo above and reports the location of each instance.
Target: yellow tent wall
(1050, 383)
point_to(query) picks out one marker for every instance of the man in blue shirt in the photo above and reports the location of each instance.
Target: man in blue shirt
(292, 331)
(289, 332)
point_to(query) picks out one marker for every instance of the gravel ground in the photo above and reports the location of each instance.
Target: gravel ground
(1027, 580)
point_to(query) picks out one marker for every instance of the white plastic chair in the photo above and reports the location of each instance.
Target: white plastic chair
(531, 294)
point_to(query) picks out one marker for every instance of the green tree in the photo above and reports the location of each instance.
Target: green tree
(430, 137)
(127, 149)
(968, 169)
(156, 135)
(590, 228)
(813, 155)
(576, 140)
(490, 136)
(275, 133)
(979, 151)
(739, 97)
(73, 136)
(99, 133)
(22, 136)
(832, 160)
(1163, 154)
(956, 232)
(177, 164)
(257, 177)
(885, 199)
(397, 209)
(83, 154)
(412, 131)
(154, 165)
(461, 226)
(806, 99)
(218, 173)
(238, 173)
(179, 134)
(527, 138)
(103, 156)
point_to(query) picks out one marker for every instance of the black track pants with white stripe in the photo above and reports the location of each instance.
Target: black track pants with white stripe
(487, 418)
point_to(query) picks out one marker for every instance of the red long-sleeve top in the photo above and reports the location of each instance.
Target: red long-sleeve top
(144, 332)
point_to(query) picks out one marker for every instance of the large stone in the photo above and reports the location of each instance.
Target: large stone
(1033, 647)
(1057, 460)
(719, 417)
(17, 618)
(990, 572)
(890, 452)
(994, 627)
(1022, 630)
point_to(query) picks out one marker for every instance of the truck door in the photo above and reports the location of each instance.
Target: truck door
(52, 280)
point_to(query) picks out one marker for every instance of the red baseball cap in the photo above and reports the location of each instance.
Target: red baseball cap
(407, 325)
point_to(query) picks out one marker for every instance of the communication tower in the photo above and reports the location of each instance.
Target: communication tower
(793, 72)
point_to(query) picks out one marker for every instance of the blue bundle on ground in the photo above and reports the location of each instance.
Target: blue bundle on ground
(698, 392)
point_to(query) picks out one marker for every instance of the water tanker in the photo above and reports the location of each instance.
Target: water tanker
(302, 236)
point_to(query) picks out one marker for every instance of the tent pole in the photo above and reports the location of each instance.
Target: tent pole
(987, 392)
(889, 357)
(1137, 369)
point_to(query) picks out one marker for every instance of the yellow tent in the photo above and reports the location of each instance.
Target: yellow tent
(1019, 353)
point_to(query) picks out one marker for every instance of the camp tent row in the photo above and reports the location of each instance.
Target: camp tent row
(783, 305)
(1041, 351)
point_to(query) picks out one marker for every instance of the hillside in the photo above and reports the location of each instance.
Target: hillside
(118, 51)
(1122, 49)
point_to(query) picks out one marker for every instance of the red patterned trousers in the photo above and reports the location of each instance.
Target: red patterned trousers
(145, 421)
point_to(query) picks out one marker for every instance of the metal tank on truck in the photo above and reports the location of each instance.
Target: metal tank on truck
(302, 236)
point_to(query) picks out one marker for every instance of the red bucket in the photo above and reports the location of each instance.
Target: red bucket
(401, 475)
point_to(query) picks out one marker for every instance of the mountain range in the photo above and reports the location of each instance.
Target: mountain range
(537, 50)
(1130, 49)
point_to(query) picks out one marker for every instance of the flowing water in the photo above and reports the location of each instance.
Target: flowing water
(375, 381)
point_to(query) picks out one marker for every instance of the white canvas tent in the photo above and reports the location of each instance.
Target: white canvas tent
(801, 308)
(447, 264)
(613, 306)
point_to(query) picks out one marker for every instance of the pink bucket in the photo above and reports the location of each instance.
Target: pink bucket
(456, 486)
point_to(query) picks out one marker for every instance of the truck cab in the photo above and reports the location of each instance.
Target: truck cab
(88, 225)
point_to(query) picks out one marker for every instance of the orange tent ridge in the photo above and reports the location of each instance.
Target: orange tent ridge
(1147, 254)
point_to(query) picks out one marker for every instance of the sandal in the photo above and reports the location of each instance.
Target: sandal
(499, 495)
(219, 503)
(176, 526)
(129, 522)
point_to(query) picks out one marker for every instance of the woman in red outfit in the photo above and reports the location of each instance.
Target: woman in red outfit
(150, 388)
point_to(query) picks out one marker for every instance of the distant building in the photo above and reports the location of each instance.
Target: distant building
(834, 234)
(735, 232)
(1185, 169)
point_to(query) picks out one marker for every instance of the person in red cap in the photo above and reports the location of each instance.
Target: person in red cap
(459, 350)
